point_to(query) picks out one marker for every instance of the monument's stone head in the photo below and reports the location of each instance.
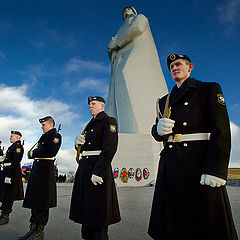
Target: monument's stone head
(127, 11)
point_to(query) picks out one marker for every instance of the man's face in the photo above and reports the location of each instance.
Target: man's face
(96, 107)
(180, 70)
(46, 126)
(14, 138)
(127, 12)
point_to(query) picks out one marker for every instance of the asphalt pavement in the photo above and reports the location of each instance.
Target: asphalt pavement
(135, 205)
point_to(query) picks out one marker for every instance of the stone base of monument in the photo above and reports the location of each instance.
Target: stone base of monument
(136, 160)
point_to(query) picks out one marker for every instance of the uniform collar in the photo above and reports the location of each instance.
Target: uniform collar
(177, 93)
(99, 116)
(188, 83)
(192, 83)
(17, 142)
(50, 131)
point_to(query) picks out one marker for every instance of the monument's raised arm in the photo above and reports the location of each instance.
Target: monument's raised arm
(136, 75)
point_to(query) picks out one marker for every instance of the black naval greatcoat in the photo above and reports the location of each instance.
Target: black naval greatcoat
(96, 205)
(182, 208)
(41, 192)
(1, 152)
(13, 191)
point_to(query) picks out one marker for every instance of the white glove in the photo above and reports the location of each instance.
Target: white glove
(80, 139)
(7, 180)
(165, 126)
(96, 179)
(212, 180)
(2, 158)
(30, 154)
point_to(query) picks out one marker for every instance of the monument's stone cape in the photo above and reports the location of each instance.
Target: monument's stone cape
(136, 76)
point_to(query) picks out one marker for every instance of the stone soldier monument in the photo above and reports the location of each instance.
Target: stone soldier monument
(136, 82)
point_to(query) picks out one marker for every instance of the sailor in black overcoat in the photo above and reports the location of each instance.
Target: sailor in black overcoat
(1, 150)
(11, 185)
(41, 192)
(190, 199)
(1, 154)
(94, 202)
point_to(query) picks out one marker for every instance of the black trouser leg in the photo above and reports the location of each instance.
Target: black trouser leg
(94, 233)
(6, 210)
(39, 216)
(7, 207)
(38, 219)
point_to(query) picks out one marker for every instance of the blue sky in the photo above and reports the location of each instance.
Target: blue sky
(53, 56)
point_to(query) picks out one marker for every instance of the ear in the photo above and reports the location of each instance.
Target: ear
(190, 67)
(103, 106)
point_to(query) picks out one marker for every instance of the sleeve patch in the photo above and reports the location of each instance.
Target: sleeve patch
(113, 128)
(221, 99)
(56, 140)
(18, 150)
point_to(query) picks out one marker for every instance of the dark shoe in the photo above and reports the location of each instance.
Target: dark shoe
(33, 227)
(4, 219)
(38, 233)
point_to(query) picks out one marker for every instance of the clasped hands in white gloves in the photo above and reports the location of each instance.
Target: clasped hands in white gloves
(212, 180)
(30, 154)
(2, 158)
(96, 179)
(7, 180)
(165, 126)
(80, 139)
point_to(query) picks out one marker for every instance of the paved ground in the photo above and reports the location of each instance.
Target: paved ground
(135, 204)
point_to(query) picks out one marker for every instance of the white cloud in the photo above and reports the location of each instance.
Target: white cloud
(93, 84)
(229, 13)
(16, 102)
(34, 72)
(49, 37)
(66, 160)
(19, 112)
(77, 65)
(235, 151)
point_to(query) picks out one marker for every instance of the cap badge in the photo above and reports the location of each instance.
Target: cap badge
(172, 57)
(221, 99)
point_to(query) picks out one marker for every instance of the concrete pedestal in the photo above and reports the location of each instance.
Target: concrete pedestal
(136, 151)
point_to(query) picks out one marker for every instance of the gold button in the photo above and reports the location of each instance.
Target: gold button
(184, 124)
(91, 130)
(186, 103)
(170, 146)
(89, 143)
(86, 156)
(185, 144)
